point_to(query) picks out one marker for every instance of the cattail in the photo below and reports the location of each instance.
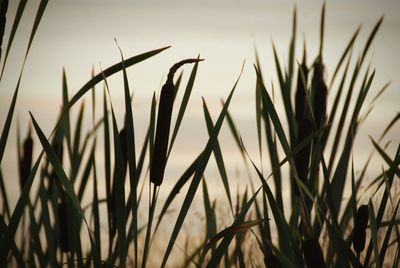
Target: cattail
(300, 98)
(64, 224)
(360, 225)
(25, 163)
(313, 253)
(302, 158)
(320, 92)
(163, 125)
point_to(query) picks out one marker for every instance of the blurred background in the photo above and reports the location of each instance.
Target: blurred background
(79, 35)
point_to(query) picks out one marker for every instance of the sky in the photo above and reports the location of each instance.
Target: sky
(78, 35)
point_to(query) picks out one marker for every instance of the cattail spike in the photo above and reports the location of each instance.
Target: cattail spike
(320, 93)
(163, 125)
(26, 159)
(64, 224)
(360, 226)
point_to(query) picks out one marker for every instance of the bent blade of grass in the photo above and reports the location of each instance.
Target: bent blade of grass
(69, 189)
(112, 70)
(205, 156)
(218, 155)
(227, 235)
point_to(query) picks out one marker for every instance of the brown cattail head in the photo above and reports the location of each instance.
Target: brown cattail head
(64, 224)
(163, 125)
(302, 158)
(313, 254)
(300, 98)
(360, 225)
(26, 159)
(320, 92)
(362, 217)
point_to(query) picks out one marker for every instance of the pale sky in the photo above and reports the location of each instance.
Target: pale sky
(77, 35)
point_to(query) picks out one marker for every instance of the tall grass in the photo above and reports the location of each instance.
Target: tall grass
(320, 227)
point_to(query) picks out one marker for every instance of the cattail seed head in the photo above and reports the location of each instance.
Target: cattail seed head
(26, 160)
(360, 226)
(65, 228)
(362, 217)
(320, 93)
(163, 125)
(302, 158)
(313, 253)
(359, 238)
(300, 98)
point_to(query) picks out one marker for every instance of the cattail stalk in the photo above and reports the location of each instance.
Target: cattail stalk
(163, 125)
